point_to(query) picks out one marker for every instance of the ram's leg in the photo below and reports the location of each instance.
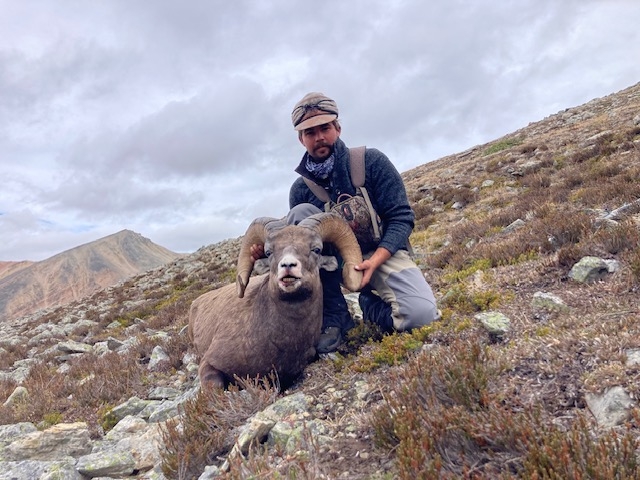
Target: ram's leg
(210, 376)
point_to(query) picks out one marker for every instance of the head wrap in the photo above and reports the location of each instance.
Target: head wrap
(314, 109)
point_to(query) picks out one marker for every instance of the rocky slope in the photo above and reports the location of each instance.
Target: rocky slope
(7, 268)
(559, 318)
(26, 287)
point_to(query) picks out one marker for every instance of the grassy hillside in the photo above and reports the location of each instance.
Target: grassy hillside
(496, 226)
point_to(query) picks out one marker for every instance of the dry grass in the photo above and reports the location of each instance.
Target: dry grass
(447, 415)
(204, 432)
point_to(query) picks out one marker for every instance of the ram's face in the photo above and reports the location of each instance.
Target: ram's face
(295, 258)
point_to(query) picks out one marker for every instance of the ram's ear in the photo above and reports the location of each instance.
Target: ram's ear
(328, 262)
(261, 266)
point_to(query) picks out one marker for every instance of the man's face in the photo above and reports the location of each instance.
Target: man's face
(319, 140)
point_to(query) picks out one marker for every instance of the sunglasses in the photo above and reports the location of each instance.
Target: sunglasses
(300, 111)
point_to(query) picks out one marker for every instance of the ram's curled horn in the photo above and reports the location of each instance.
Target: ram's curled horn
(255, 234)
(334, 229)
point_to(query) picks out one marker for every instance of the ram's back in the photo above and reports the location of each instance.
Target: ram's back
(222, 314)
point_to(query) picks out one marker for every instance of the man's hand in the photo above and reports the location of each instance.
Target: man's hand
(257, 251)
(368, 266)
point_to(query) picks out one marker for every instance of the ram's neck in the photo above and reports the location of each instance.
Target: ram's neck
(291, 305)
(275, 309)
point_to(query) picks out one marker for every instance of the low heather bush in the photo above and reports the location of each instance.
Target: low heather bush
(204, 431)
(443, 417)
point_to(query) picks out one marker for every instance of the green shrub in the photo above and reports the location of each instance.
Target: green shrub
(501, 145)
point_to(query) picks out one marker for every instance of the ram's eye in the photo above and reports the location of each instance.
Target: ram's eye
(268, 253)
(317, 250)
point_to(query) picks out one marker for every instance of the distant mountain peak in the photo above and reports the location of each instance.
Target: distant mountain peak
(26, 287)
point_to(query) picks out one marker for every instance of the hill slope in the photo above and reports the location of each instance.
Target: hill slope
(7, 268)
(77, 272)
(499, 230)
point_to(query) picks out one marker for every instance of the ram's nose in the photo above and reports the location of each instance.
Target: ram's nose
(290, 265)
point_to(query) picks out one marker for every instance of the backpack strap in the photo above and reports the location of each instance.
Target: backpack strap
(372, 213)
(317, 190)
(356, 158)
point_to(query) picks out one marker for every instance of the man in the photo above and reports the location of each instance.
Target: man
(394, 293)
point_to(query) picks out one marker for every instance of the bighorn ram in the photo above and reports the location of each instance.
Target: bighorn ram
(273, 323)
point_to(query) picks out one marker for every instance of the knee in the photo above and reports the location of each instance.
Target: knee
(300, 212)
(415, 314)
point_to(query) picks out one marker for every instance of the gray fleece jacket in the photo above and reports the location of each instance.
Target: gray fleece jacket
(382, 181)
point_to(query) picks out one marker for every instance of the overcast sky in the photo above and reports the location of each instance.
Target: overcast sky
(172, 119)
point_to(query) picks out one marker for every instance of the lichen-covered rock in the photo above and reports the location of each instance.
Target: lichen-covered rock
(610, 409)
(548, 301)
(107, 464)
(589, 269)
(54, 443)
(494, 322)
(19, 395)
(34, 469)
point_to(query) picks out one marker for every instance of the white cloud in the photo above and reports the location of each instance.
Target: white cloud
(172, 119)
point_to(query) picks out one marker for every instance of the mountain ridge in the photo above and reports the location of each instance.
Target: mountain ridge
(75, 273)
(9, 267)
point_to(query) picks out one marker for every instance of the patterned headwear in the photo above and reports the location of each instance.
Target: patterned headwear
(314, 109)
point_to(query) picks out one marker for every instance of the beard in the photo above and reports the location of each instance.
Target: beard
(299, 295)
(321, 153)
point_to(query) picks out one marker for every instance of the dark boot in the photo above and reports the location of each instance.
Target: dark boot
(336, 319)
(376, 310)
(330, 340)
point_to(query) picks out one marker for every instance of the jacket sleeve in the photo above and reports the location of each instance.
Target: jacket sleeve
(389, 198)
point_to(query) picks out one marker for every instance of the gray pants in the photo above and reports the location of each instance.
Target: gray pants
(398, 281)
